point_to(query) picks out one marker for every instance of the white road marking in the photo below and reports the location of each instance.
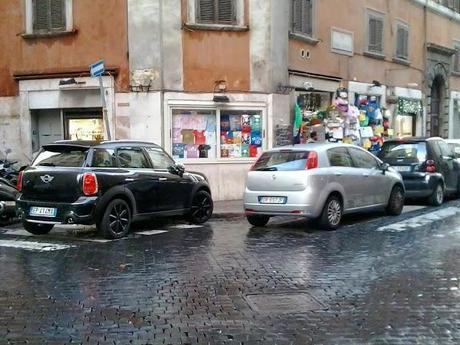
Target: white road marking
(150, 232)
(186, 226)
(422, 220)
(18, 232)
(34, 246)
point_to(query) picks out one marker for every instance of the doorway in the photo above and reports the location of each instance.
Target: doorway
(437, 96)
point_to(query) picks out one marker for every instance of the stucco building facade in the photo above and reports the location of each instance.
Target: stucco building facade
(215, 82)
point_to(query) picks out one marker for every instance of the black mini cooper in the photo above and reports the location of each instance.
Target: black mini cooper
(110, 184)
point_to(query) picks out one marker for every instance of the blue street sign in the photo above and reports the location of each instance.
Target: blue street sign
(97, 69)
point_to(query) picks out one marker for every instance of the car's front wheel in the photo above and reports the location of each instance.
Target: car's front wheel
(116, 221)
(332, 213)
(202, 207)
(396, 201)
(258, 220)
(37, 228)
(437, 198)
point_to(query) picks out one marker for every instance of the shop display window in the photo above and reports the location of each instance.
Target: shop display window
(216, 134)
(85, 129)
(194, 134)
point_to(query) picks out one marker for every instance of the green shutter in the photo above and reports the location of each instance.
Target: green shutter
(226, 12)
(57, 14)
(41, 19)
(206, 10)
(375, 35)
(297, 15)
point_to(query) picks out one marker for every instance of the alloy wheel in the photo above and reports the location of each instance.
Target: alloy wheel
(201, 207)
(119, 218)
(439, 194)
(334, 212)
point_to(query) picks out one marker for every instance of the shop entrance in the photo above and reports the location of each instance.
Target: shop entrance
(437, 96)
(83, 125)
(46, 127)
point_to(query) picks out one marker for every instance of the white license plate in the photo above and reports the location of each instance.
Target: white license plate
(43, 211)
(402, 168)
(272, 199)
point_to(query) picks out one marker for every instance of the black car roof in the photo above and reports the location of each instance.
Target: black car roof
(88, 144)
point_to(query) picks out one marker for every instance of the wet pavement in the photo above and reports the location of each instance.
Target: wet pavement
(374, 281)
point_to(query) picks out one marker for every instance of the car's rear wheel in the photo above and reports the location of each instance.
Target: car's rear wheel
(258, 220)
(116, 221)
(202, 207)
(37, 228)
(332, 213)
(437, 198)
(396, 201)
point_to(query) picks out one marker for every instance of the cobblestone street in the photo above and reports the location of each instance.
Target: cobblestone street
(382, 281)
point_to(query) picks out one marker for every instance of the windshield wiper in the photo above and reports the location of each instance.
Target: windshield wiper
(267, 169)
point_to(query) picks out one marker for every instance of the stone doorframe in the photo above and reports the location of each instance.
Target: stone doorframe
(439, 61)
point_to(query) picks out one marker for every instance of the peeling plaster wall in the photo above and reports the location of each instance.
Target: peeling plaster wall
(10, 128)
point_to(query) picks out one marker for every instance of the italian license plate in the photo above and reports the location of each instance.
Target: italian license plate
(402, 168)
(42, 211)
(272, 199)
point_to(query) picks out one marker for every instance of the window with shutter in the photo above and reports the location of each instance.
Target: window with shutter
(302, 17)
(49, 15)
(375, 34)
(457, 58)
(216, 12)
(402, 42)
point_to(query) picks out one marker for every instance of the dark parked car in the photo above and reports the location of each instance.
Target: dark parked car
(427, 165)
(110, 184)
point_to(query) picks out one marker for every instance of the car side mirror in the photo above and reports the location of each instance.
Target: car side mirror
(177, 169)
(384, 167)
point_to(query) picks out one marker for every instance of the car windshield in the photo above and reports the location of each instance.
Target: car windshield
(393, 152)
(61, 157)
(288, 160)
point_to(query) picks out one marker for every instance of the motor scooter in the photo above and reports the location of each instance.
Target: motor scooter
(8, 194)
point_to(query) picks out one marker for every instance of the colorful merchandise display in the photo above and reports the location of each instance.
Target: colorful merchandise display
(240, 135)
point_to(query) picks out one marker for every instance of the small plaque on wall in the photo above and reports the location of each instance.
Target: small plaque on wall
(342, 41)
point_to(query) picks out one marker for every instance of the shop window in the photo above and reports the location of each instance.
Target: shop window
(84, 128)
(216, 134)
(240, 134)
(375, 26)
(302, 17)
(402, 41)
(216, 12)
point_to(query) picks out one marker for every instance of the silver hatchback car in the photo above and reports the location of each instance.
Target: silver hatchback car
(322, 181)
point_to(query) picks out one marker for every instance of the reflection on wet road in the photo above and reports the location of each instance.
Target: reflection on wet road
(228, 283)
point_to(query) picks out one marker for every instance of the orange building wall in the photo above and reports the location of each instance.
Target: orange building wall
(101, 34)
(209, 56)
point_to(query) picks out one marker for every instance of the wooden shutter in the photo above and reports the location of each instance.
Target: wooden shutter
(375, 34)
(297, 15)
(206, 11)
(402, 42)
(40, 17)
(302, 16)
(226, 12)
(57, 14)
(457, 59)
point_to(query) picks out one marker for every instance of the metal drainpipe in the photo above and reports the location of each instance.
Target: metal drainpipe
(163, 141)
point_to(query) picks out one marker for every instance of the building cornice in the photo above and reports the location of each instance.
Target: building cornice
(440, 49)
(439, 9)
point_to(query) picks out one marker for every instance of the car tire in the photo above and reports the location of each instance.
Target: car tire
(116, 220)
(201, 209)
(331, 215)
(37, 228)
(437, 198)
(258, 220)
(396, 201)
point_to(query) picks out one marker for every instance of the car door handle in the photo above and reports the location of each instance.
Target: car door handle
(338, 174)
(366, 175)
(163, 179)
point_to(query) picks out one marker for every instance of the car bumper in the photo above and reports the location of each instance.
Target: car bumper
(421, 187)
(298, 203)
(79, 212)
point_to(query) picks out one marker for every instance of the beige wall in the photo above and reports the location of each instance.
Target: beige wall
(363, 68)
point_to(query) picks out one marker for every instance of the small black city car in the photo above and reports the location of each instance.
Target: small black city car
(110, 184)
(427, 165)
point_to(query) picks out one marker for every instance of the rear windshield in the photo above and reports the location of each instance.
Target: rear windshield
(61, 157)
(403, 152)
(282, 161)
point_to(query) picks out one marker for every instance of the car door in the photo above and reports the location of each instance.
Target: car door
(342, 173)
(448, 165)
(140, 178)
(174, 190)
(374, 187)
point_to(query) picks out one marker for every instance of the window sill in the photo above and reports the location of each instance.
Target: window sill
(401, 61)
(377, 56)
(304, 38)
(214, 27)
(49, 34)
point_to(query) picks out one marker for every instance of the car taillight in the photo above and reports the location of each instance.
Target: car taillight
(19, 181)
(90, 186)
(430, 166)
(312, 160)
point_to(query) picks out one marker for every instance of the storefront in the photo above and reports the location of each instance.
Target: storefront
(407, 112)
(220, 139)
